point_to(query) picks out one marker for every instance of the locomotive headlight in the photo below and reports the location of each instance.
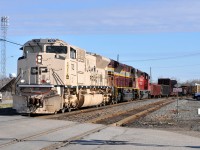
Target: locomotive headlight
(47, 81)
(39, 59)
(22, 80)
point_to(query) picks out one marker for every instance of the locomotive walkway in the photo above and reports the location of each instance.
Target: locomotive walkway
(18, 132)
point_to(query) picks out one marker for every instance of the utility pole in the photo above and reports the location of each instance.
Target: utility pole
(150, 76)
(4, 27)
(118, 57)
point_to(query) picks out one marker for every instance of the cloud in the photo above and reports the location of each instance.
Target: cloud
(126, 17)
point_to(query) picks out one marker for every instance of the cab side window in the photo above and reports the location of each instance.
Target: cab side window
(72, 53)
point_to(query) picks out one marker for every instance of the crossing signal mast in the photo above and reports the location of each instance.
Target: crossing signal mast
(4, 27)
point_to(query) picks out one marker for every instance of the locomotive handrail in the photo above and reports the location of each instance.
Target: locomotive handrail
(57, 77)
(35, 85)
(15, 82)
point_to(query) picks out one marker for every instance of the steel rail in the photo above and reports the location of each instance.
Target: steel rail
(98, 119)
(86, 110)
(15, 140)
(140, 114)
(67, 141)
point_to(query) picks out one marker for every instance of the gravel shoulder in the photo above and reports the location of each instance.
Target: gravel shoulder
(84, 117)
(181, 116)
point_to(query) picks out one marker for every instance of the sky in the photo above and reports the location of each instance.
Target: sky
(163, 35)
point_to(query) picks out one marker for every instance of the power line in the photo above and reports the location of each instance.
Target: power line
(164, 58)
(11, 42)
(176, 66)
(170, 67)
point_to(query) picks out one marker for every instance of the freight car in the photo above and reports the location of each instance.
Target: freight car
(173, 83)
(56, 76)
(165, 90)
(196, 88)
(167, 86)
(155, 90)
(185, 91)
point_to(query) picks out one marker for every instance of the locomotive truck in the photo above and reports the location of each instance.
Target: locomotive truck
(56, 76)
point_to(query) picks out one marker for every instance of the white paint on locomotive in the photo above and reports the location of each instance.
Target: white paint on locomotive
(53, 76)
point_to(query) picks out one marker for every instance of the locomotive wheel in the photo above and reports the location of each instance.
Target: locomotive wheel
(63, 110)
(113, 102)
(69, 109)
(198, 98)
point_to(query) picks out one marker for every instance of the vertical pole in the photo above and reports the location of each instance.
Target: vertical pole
(177, 103)
(118, 57)
(150, 76)
(4, 26)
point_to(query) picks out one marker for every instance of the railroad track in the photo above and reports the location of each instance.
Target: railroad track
(15, 140)
(87, 110)
(138, 112)
(74, 138)
(58, 144)
(104, 115)
(124, 117)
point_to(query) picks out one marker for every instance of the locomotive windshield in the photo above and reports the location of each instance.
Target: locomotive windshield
(56, 49)
(32, 49)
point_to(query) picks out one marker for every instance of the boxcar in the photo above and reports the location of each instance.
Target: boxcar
(165, 90)
(155, 90)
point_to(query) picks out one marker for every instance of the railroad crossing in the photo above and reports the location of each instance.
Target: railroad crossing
(34, 133)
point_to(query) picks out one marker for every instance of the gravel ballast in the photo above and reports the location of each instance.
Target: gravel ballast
(180, 116)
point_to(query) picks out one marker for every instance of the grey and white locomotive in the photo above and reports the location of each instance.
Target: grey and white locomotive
(55, 76)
